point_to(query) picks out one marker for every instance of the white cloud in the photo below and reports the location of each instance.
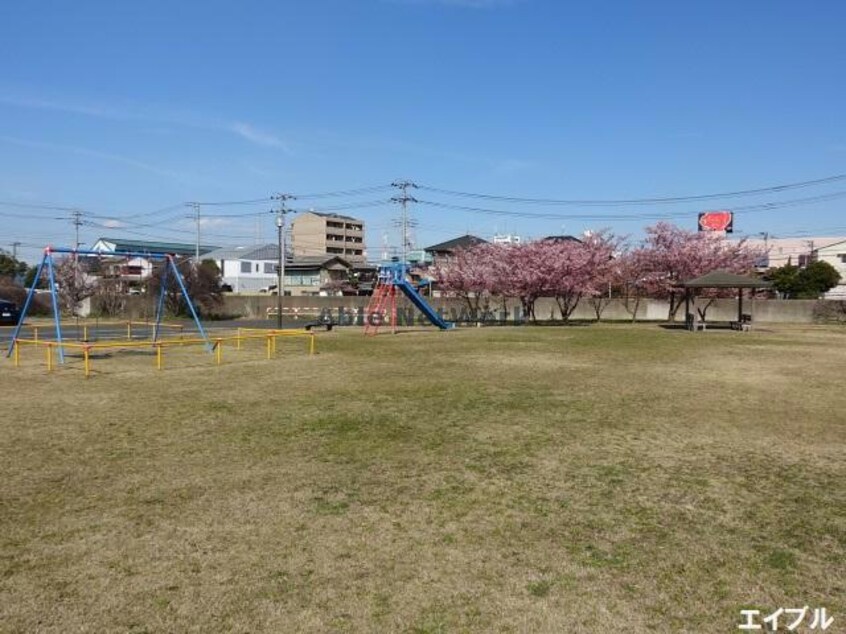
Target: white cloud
(82, 151)
(254, 135)
(210, 223)
(91, 110)
(184, 119)
(111, 223)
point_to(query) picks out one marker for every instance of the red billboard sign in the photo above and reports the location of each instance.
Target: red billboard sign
(716, 221)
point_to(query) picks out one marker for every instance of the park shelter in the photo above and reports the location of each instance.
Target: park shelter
(722, 279)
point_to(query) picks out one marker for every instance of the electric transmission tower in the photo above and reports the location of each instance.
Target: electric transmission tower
(405, 222)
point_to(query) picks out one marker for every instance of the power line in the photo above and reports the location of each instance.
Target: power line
(227, 203)
(359, 205)
(156, 212)
(253, 214)
(756, 208)
(134, 231)
(640, 201)
(347, 192)
(8, 203)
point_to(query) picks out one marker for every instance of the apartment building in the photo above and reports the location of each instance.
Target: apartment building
(796, 251)
(314, 233)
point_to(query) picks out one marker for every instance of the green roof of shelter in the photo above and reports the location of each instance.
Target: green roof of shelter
(724, 279)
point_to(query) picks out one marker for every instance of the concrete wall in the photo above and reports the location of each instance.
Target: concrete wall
(255, 307)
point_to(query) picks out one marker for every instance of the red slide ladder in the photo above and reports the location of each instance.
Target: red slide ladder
(384, 299)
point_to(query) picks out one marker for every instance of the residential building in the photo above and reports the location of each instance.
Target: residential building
(835, 254)
(138, 268)
(796, 251)
(314, 234)
(560, 238)
(419, 257)
(507, 238)
(253, 269)
(110, 245)
(444, 250)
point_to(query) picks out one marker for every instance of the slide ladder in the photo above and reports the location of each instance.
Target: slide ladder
(384, 299)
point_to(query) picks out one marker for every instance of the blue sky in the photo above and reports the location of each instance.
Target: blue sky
(127, 109)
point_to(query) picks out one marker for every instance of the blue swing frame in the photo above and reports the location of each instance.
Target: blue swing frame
(47, 261)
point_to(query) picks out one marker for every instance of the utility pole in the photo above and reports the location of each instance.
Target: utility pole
(403, 200)
(76, 221)
(196, 218)
(280, 212)
(15, 246)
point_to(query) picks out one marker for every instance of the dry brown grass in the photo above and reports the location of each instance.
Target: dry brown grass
(592, 479)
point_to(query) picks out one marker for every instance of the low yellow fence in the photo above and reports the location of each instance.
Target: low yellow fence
(87, 328)
(217, 343)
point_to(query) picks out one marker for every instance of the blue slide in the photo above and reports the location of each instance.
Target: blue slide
(422, 305)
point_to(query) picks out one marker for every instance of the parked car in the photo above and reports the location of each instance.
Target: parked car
(8, 313)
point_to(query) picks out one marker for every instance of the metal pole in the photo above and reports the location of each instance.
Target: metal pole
(55, 297)
(280, 268)
(188, 301)
(77, 222)
(160, 306)
(196, 208)
(13, 340)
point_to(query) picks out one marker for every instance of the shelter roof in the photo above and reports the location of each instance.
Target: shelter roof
(724, 279)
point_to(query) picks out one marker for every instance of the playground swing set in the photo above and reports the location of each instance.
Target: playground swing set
(58, 345)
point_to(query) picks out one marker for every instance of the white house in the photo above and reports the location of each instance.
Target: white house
(835, 254)
(139, 268)
(253, 269)
(796, 251)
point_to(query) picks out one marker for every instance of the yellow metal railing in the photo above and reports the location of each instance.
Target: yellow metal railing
(87, 327)
(243, 334)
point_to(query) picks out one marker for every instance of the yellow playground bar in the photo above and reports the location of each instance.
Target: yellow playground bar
(215, 344)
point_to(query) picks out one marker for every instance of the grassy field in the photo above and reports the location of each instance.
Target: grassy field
(581, 479)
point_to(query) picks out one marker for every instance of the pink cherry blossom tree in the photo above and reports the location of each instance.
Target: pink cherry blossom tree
(609, 278)
(630, 286)
(579, 269)
(74, 284)
(564, 270)
(670, 255)
(468, 274)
